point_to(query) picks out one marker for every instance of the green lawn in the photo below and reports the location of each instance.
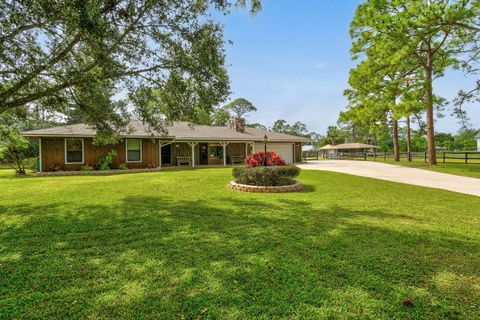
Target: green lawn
(178, 244)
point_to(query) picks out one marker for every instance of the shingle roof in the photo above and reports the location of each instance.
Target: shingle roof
(178, 130)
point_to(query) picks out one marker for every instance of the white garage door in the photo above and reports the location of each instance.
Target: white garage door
(285, 150)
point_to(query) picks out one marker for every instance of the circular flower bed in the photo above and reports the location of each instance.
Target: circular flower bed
(297, 186)
(275, 176)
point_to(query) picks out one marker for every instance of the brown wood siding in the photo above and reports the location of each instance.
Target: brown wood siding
(53, 154)
(236, 149)
(298, 152)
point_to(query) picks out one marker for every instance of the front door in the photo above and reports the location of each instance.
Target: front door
(167, 154)
(203, 153)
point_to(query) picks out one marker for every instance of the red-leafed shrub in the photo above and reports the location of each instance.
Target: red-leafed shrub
(258, 159)
(275, 173)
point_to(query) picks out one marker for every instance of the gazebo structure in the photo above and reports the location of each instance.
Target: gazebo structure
(346, 149)
(327, 150)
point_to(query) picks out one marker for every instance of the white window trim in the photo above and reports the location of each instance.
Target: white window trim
(126, 151)
(83, 151)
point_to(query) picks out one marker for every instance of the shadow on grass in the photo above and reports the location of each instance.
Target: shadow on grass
(155, 258)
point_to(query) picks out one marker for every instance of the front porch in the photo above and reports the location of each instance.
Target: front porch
(203, 153)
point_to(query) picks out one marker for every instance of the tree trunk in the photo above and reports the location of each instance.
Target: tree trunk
(409, 140)
(396, 149)
(354, 134)
(432, 155)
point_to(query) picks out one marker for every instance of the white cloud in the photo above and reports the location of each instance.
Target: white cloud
(320, 65)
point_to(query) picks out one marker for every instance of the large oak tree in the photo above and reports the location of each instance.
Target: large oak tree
(104, 59)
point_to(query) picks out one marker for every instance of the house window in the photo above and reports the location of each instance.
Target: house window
(73, 151)
(134, 150)
(215, 151)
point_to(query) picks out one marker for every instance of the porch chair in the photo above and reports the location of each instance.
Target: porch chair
(184, 160)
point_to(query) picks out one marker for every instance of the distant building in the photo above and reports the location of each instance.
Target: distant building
(333, 152)
(328, 151)
(478, 142)
(355, 147)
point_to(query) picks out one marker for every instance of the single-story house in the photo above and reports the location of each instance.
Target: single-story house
(478, 142)
(70, 147)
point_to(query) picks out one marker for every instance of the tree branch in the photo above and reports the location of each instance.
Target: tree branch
(20, 30)
(447, 33)
(466, 26)
(62, 54)
(419, 58)
(69, 83)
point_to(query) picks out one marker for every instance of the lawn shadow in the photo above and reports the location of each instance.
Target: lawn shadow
(153, 257)
(307, 188)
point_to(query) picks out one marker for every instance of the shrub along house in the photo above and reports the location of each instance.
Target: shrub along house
(70, 147)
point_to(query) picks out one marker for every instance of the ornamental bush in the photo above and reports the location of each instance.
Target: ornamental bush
(258, 159)
(13, 146)
(122, 166)
(266, 176)
(86, 167)
(105, 162)
(31, 163)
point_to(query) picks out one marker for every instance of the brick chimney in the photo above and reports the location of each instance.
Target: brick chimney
(237, 124)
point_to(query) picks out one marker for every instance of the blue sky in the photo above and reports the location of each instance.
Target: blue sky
(292, 61)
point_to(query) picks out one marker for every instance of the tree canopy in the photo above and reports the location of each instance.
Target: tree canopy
(240, 107)
(420, 38)
(297, 128)
(106, 60)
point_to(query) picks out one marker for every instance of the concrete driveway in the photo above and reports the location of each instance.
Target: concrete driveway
(383, 171)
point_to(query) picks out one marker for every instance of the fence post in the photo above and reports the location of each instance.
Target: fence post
(384, 156)
(466, 157)
(425, 156)
(444, 157)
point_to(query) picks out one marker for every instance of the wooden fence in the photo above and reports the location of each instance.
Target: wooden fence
(462, 156)
(443, 156)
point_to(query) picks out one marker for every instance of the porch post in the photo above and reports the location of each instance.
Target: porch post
(224, 145)
(224, 154)
(193, 155)
(193, 144)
